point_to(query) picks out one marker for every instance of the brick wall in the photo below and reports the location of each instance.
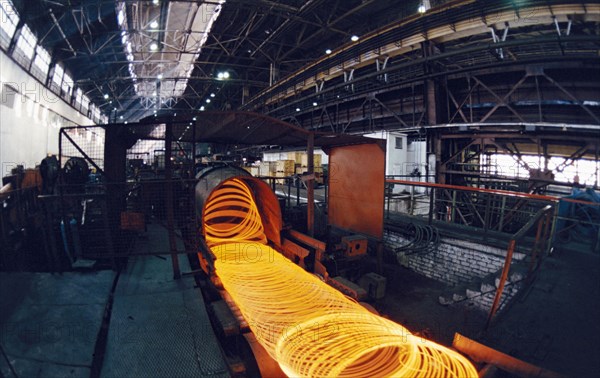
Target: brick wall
(453, 262)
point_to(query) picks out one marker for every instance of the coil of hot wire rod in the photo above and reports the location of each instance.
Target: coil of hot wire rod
(307, 326)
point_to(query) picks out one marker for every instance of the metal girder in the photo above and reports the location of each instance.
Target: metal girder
(502, 101)
(572, 97)
(286, 24)
(332, 23)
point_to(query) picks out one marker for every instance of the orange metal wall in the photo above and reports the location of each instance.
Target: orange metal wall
(356, 188)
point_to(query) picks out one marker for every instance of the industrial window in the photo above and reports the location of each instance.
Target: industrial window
(179, 88)
(25, 45)
(85, 105)
(42, 60)
(57, 77)
(58, 74)
(399, 143)
(26, 42)
(67, 87)
(78, 98)
(95, 114)
(8, 22)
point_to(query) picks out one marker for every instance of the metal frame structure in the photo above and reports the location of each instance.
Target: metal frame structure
(449, 70)
(108, 47)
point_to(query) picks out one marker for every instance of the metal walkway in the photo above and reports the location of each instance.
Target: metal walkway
(51, 325)
(159, 326)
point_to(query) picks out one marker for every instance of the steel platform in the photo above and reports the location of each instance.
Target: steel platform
(159, 326)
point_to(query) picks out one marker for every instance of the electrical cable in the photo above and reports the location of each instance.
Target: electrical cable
(424, 238)
(307, 326)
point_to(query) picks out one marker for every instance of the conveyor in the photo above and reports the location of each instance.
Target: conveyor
(309, 328)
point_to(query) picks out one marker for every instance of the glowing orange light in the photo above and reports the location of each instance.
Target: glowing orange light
(308, 327)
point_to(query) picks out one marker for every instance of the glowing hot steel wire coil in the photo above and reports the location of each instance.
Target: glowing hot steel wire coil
(231, 215)
(308, 327)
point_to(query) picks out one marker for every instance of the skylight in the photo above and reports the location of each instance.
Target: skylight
(166, 55)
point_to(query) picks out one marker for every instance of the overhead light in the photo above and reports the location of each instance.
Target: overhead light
(315, 104)
(155, 2)
(154, 24)
(153, 46)
(223, 75)
(297, 109)
(159, 76)
(121, 117)
(202, 108)
(354, 38)
(106, 96)
(154, 93)
(422, 9)
(193, 119)
(155, 112)
(208, 100)
(212, 95)
(328, 51)
(115, 109)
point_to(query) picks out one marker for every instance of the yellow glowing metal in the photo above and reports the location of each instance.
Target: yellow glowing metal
(310, 328)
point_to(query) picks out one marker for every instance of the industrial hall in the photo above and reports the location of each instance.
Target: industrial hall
(299, 188)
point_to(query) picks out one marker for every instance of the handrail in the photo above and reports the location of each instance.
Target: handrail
(519, 234)
(509, 254)
(501, 192)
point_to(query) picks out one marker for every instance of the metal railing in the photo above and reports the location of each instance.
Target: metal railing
(481, 208)
(542, 221)
(487, 210)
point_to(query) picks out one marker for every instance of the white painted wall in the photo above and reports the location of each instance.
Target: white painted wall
(402, 161)
(396, 158)
(29, 128)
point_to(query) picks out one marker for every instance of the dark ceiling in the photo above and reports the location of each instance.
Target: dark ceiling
(248, 39)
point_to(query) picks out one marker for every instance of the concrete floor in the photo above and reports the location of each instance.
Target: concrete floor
(158, 327)
(412, 300)
(50, 322)
(554, 324)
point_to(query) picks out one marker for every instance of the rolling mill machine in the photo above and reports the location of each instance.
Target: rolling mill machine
(275, 284)
(282, 302)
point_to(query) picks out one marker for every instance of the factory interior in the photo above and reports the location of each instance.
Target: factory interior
(299, 188)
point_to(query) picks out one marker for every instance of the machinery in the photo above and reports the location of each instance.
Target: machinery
(263, 276)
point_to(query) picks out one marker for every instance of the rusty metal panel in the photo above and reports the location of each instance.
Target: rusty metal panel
(356, 188)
